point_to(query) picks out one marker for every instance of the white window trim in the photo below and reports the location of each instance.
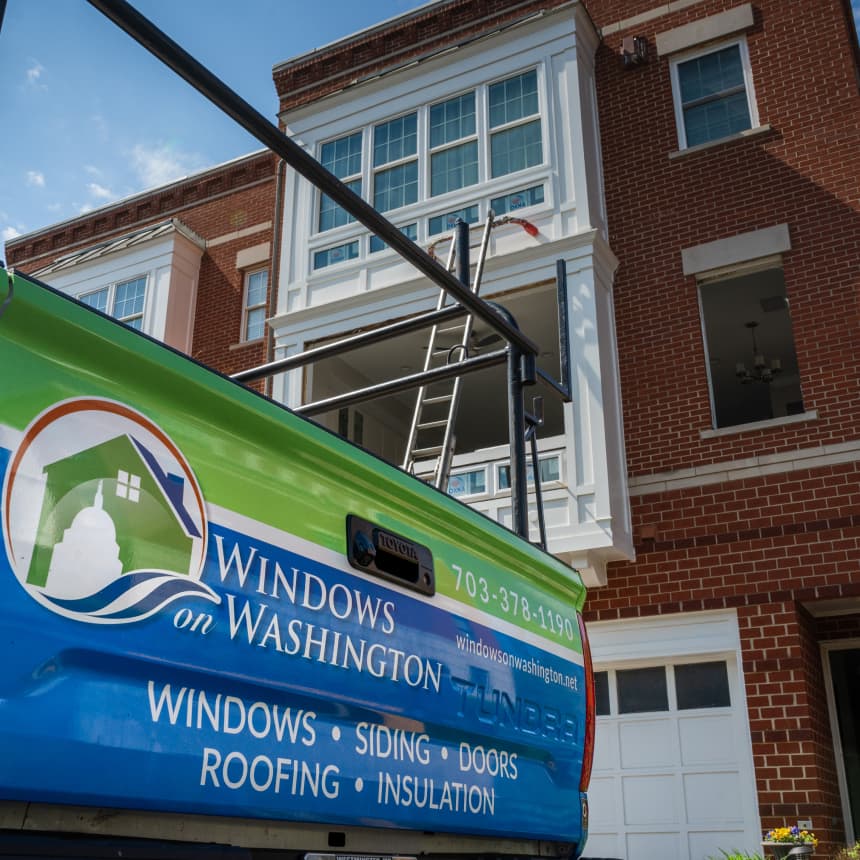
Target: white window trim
(246, 308)
(426, 206)
(676, 88)
(111, 299)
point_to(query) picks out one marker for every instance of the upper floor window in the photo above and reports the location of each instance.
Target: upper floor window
(453, 145)
(124, 300)
(713, 94)
(395, 163)
(343, 158)
(476, 136)
(752, 360)
(254, 311)
(515, 141)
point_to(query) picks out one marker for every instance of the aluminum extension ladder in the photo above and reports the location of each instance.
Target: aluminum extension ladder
(431, 434)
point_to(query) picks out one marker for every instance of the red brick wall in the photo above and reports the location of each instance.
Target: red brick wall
(216, 203)
(804, 172)
(764, 546)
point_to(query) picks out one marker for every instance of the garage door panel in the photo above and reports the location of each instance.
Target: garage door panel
(605, 746)
(603, 845)
(650, 799)
(702, 843)
(647, 743)
(653, 846)
(713, 798)
(707, 739)
(603, 802)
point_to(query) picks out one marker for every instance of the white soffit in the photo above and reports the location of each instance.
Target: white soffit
(736, 249)
(705, 30)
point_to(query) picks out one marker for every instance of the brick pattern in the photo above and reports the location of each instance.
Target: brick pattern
(764, 546)
(231, 198)
(778, 177)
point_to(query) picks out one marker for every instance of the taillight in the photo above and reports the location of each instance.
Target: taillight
(588, 742)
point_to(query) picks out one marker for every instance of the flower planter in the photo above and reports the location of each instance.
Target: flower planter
(786, 850)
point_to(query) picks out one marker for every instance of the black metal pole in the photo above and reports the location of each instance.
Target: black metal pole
(127, 18)
(365, 338)
(517, 434)
(404, 383)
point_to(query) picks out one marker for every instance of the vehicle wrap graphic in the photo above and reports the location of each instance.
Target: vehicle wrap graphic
(183, 632)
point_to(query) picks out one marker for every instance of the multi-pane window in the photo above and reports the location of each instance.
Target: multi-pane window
(343, 158)
(256, 286)
(489, 132)
(695, 686)
(124, 300)
(515, 138)
(128, 486)
(395, 163)
(453, 144)
(713, 94)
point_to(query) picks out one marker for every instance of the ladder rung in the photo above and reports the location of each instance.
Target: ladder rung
(431, 425)
(418, 453)
(440, 398)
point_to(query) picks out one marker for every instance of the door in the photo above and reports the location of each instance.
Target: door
(845, 675)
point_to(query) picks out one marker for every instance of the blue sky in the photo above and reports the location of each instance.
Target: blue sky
(91, 117)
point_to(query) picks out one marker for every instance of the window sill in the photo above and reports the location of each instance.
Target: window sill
(691, 150)
(242, 344)
(812, 415)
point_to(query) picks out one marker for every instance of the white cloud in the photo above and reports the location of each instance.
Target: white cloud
(9, 233)
(54, 207)
(87, 207)
(36, 178)
(93, 171)
(162, 163)
(34, 73)
(99, 191)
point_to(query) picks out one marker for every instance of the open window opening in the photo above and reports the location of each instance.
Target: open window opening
(482, 420)
(750, 347)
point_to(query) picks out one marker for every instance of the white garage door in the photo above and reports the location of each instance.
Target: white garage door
(672, 775)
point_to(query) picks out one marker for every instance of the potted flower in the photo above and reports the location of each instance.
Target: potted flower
(789, 842)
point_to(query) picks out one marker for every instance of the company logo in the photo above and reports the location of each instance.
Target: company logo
(103, 519)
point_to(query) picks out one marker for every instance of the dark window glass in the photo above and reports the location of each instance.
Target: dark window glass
(601, 693)
(752, 360)
(642, 690)
(702, 685)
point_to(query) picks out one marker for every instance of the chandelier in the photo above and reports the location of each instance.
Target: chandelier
(762, 369)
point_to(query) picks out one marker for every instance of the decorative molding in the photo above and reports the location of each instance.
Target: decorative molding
(736, 249)
(705, 30)
(750, 467)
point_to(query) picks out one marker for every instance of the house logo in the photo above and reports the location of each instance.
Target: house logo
(103, 519)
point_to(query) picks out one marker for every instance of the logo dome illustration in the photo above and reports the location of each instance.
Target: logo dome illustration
(103, 518)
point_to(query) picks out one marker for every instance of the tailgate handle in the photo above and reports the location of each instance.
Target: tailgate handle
(390, 556)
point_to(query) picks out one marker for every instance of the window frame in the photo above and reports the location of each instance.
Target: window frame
(695, 54)
(247, 308)
(110, 302)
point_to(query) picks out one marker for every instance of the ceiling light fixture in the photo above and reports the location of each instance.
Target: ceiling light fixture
(762, 369)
